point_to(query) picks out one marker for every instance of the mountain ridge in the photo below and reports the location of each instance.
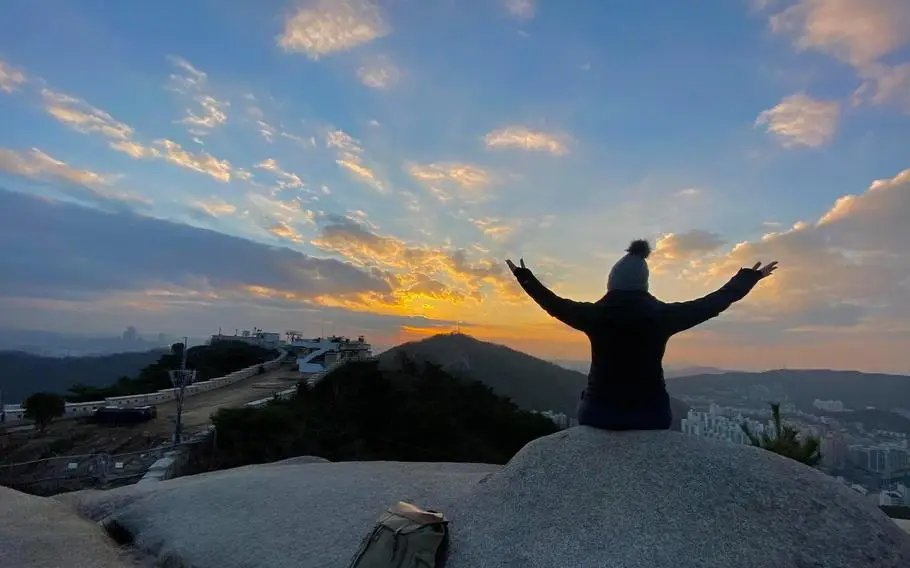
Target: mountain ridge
(532, 383)
(23, 373)
(856, 389)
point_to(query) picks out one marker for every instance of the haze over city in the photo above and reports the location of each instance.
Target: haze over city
(366, 167)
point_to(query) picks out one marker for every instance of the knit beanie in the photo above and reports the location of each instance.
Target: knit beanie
(631, 271)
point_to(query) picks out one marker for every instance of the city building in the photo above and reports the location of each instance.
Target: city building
(828, 405)
(718, 424)
(834, 450)
(885, 459)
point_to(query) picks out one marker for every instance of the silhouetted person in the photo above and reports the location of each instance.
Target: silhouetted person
(629, 329)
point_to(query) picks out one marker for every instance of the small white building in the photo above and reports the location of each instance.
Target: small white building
(267, 339)
(314, 355)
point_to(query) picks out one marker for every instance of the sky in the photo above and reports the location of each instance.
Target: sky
(366, 166)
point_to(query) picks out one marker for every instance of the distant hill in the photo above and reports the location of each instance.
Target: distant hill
(21, 374)
(209, 361)
(855, 389)
(533, 383)
(673, 372)
(669, 372)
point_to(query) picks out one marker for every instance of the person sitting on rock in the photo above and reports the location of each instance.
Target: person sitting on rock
(629, 329)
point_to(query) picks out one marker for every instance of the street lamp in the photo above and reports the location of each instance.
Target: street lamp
(180, 378)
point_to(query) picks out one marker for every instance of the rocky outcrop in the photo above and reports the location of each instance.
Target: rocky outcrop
(578, 498)
(36, 532)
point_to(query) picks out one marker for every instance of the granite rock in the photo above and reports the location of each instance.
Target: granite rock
(578, 498)
(37, 532)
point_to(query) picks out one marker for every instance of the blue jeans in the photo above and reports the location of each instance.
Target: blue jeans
(608, 417)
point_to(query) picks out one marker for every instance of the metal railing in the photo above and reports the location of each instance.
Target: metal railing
(69, 473)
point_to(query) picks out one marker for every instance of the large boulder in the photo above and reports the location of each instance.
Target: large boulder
(37, 532)
(579, 498)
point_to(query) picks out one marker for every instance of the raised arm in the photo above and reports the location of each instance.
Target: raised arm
(574, 314)
(681, 316)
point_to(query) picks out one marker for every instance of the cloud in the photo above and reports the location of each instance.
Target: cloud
(285, 180)
(191, 82)
(848, 269)
(684, 246)
(350, 157)
(520, 137)
(171, 151)
(494, 228)
(325, 27)
(380, 73)
(189, 79)
(884, 84)
(757, 6)
(415, 272)
(285, 231)
(214, 207)
(37, 164)
(286, 211)
(201, 162)
(87, 119)
(83, 117)
(448, 180)
(521, 9)
(799, 120)
(10, 78)
(856, 32)
(91, 255)
(690, 192)
(79, 183)
(212, 115)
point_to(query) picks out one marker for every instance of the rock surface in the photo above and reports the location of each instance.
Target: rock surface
(578, 498)
(36, 532)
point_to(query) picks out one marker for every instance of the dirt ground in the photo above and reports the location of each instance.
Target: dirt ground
(76, 437)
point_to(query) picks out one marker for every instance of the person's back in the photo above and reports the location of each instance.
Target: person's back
(627, 347)
(628, 329)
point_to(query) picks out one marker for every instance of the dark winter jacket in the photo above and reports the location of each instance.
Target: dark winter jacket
(629, 333)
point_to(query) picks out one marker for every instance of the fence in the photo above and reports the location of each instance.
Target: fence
(16, 414)
(69, 473)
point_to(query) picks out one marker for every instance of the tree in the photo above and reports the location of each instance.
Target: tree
(785, 441)
(43, 407)
(360, 411)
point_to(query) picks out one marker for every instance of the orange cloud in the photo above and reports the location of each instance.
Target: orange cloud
(350, 157)
(325, 27)
(285, 231)
(214, 207)
(424, 280)
(451, 180)
(521, 137)
(35, 164)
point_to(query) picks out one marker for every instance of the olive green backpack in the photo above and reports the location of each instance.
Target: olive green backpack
(405, 536)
